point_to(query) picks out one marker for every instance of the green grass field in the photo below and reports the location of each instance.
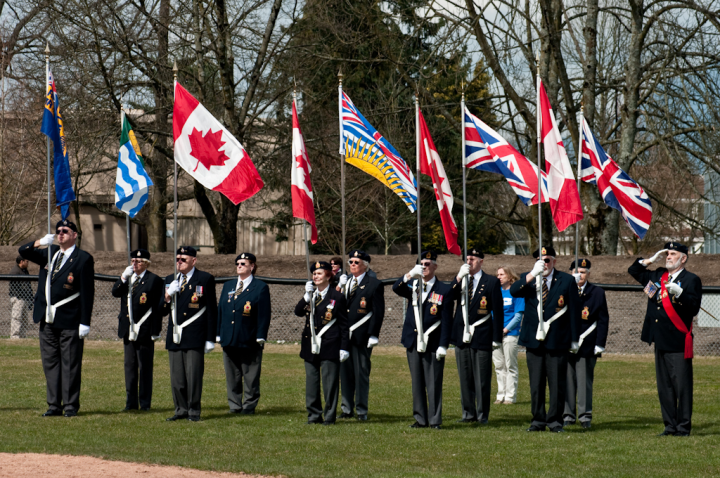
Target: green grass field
(276, 440)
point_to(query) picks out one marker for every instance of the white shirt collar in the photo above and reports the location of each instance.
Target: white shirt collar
(245, 283)
(188, 275)
(549, 278)
(430, 284)
(136, 277)
(582, 289)
(674, 275)
(358, 279)
(324, 292)
(66, 253)
(476, 281)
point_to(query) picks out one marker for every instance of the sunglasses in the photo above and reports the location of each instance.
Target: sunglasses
(353, 262)
(426, 264)
(63, 231)
(547, 260)
(182, 259)
(243, 264)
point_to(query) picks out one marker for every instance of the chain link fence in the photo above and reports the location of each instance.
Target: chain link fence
(626, 304)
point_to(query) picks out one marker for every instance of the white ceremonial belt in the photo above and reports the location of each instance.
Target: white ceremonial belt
(421, 342)
(544, 327)
(359, 322)
(135, 327)
(586, 333)
(426, 335)
(479, 323)
(467, 330)
(179, 328)
(51, 315)
(315, 349)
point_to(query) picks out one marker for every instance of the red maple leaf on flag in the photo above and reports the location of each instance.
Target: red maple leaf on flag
(206, 149)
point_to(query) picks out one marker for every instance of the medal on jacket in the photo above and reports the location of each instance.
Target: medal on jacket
(199, 290)
(433, 309)
(483, 303)
(70, 278)
(585, 313)
(247, 308)
(363, 303)
(194, 298)
(328, 313)
(331, 305)
(561, 301)
(143, 298)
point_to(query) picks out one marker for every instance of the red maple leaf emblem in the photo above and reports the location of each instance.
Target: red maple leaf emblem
(206, 149)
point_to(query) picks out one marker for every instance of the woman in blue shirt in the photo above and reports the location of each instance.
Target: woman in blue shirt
(505, 357)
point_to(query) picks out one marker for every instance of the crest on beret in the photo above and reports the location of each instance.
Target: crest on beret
(356, 253)
(671, 245)
(138, 254)
(428, 255)
(317, 265)
(182, 249)
(584, 263)
(544, 251)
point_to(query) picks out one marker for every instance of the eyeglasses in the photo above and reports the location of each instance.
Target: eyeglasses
(243, 264)
(137, 261)
(355, 262)
(426, 264)
(63, 231)
(182, 259)
(547, 260)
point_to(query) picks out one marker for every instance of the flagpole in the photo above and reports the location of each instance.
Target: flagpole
(420, 347)
(49, 207)
(342, 162)
(538, 124)
(579, 160)
(175, 228)
(465, 304)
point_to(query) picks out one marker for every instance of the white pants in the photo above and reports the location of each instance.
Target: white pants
(506, 368)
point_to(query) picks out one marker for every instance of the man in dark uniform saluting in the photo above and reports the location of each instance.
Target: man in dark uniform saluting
(474, 343)
(191, 334)
(594, 320)
(426, 336)
(242, 330)
(365, 297)
(674, 297)
(549, 341)
(146, 291)
(67, 321)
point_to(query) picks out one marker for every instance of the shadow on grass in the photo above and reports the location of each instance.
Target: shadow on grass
(212, 413)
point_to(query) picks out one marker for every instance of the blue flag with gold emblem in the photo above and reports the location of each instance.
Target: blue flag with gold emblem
(52, 127)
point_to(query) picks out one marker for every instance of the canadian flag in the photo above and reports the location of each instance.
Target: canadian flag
(430, 165)
(209, 153)
(562, 189)
(302, 195)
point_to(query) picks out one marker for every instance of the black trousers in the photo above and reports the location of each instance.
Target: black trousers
(187, 368)
(547, 369)
(327, 372)
(426, 373)
(139, 357)
(355, 380)
(674, 374)
(463, 359)
(61, 352)
(242, 376)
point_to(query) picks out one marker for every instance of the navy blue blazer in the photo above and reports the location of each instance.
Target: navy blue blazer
(487, 299)
(245, 318)
(563, 331)
(594, 308)
(440, 337)
(336, 338)
(189, 303)
(369, 297)
(147, 295)
(76, 275)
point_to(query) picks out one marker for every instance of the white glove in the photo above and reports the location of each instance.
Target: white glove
(343, 280)
(83, 331)
(309, 286)
(464, 271)
(217, 338)
(127, 273)
(155, 338)
(658, 255)
(674, 289)
(441, 353)
(259, 341)
(209, 346)
(574, 347)
(538, 268)
(599, 350)
(577, 278)
(173, 288)
(416, 272)
(496, 345)
(372, 341)
(344, 355)
(47, 240)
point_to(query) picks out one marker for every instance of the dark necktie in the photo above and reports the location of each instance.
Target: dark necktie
(580, 291)
(544, 290)
(424, 286)
(239, 289)
(471, 281)
(318, 299)
(58, 265)
(184, 283)
(135, 284)
(351, 296)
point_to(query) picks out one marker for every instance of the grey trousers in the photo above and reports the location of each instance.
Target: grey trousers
(580, 374)
(674, 374)
(138, 373)
(547, 369)
(463, 359)
(426, 373)
(186, 379)
(482, 374)
(355, 380)
(327, 371)
(242, 364)
(61, 352)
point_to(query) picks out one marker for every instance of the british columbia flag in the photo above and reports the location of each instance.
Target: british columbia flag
(617, 189)
(486, 150)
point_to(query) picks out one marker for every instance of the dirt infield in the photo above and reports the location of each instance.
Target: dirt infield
(32, 465)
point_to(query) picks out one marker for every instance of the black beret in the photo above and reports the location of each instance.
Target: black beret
(676, 246)
(583, 263)
(140, 254)
(321, 265)
(546, 251)
(66, 223)
(360, 254)
(431, 255)
(476, 252)
(187, 251)
(246, 255)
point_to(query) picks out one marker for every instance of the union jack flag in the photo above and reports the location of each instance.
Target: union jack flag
(617, 189)
(486, 150)
(369, 151)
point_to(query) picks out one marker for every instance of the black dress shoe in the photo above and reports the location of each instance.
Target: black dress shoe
(362, 418)
(682, 434)
(239, 410)
(176, 417)
(194, 418)
(567, 423)
(484, 421)
(248, 411)
(436, 427)
(328, 423)
(585, 425)
(52, 413)
(346, 415)
(417, 425)
(535, 428)
(127, 409)
(316, 422)
(70, 413)
(666, 433)
(557, 430)
(467, 420)
(145, 409)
